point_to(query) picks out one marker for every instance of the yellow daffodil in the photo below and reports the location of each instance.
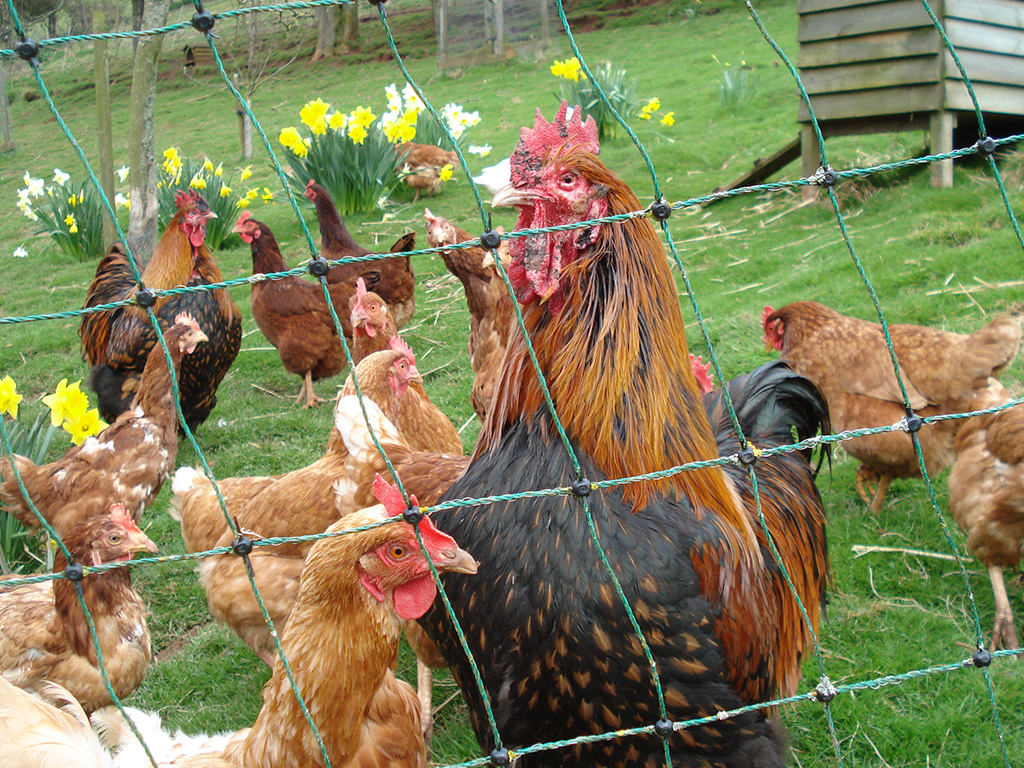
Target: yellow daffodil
(290, 139)
(69, 220)
(653, 105)
(570, 69)
(243, 202)
(314, 115)
(67, 402)
(172, 161)
(207, 164)
(252, 194)
(219, 170)
(198, 181)
(362, 117)
(267, 195)
(246, 173)
(9, 397)
(645, 115)
(86, 424)
(669, 118)
(225, 191)
(446, 172)
(72, 200)
(357, 133)
(337, 121)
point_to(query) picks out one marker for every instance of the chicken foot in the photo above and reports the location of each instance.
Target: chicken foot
(312, 401)
(1004, 634)
(868, 478)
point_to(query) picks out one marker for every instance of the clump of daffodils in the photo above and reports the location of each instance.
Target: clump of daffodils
(652, 108)
(353, 154)
(224, 197)
(68, 404)
(70, 213)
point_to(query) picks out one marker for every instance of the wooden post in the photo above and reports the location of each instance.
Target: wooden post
(941, 130)
(5, 116)
(499, 27)
(104, 133)
(545, 24)
(810, 158)
(442, 34)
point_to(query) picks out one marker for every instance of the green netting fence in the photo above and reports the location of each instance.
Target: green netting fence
(825, 179)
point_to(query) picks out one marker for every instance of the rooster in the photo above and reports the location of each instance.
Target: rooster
(357, 587)
(291, 313)
(392, 278)
(848, 360)
(130, 459)
(116, 341)
(44, 634)
(557, 654)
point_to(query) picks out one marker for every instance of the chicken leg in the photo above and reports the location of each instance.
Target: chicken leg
(1004, 635)
(312, 401)
(866, 478)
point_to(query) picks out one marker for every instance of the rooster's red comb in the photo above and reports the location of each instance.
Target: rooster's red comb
(702, 373)
(187, 197)
(536, 143)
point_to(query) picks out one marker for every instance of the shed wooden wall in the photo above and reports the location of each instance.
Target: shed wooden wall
(860, 58)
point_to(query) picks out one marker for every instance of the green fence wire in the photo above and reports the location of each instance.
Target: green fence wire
(826, 178)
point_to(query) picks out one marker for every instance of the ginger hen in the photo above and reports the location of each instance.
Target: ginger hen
(986, 495)
(391, 278)
(292, 504)
(372, 325)
(357, 588)
(848, 360)
(557, 654)
(491, 315)
(291, 313)
(116, 341)
(128, 461)
(44, 636)
(419, 166)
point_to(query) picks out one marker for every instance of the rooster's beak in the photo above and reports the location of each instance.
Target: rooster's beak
(509, 196)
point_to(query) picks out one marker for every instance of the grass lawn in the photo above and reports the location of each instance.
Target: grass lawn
(943, 257)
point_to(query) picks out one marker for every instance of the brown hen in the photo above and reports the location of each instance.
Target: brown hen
(419, 166)
(848, 360)
(128, 461)
(491, 315)
(44, 635)
(986, 495)
(292, 313)
(391, 278)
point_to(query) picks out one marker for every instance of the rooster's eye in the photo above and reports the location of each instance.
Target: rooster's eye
(568, 180)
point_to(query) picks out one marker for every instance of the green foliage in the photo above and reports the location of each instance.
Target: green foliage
(738, 85)
(32, 441)
(617, 85)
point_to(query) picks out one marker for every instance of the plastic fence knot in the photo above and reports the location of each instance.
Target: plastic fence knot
(824, 177)
(144, 297)
(203, 20)
(27, 49)
(981, 658)
(986, 145)
(498, 756)
(660, 209)
(73, 572)
(913, 422)
(824, 691)
(242, 545)
(490, 239)
(664, 728)
(318, 266)
(412, 515)
(581, 487)
(749, 455)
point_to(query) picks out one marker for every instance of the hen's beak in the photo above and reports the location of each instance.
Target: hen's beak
(140, 542)
(457, 560)
(509, 196)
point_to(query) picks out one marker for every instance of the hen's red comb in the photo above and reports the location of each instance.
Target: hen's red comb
(702, 373)
(360, 288)
(398, 344)
(767, 312)
(560, 135)
(389, 495)
(184, 318)
(119, 514)
(243, 217)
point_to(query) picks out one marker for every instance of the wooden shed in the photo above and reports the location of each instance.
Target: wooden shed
(880, 65)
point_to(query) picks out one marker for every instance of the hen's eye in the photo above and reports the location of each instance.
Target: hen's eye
(115, 538)
(568, 180)
(397, 551)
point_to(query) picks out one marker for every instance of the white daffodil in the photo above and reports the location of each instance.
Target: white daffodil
(20, 252)
(480, 149)
(59, 177)
(122, 173)
(121, 201)
(34, 186)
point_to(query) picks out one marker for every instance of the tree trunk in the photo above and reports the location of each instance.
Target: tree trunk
(104, 136)
(326, 32)
(141, 136)
(348, 26)
(5, 116)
